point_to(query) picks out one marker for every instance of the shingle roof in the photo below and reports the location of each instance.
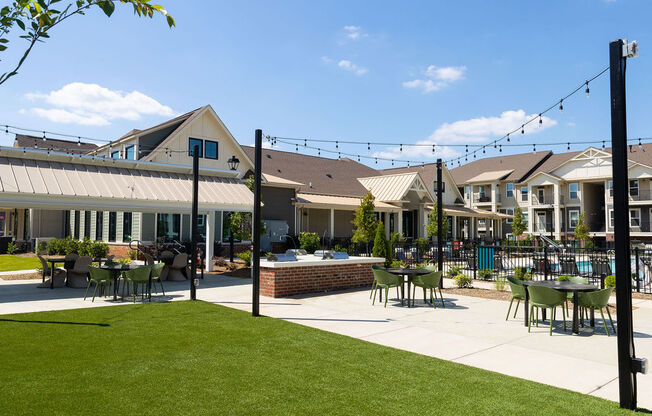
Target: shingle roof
(554, 161)
(57, 145)
(523, 165)
(327, 176)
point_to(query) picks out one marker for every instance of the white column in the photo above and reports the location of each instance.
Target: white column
(400, 222)
(557, 212)
(454, 227)
(493, 198)
(530, 211)
(210, 236)
(332, 223)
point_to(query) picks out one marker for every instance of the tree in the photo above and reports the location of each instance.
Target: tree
(364, 221)
(582, 231)
(381, 245)
(36, 18)
(240, 222)
(518, 224)
(431, 227)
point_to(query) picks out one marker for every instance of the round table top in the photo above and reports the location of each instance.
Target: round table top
(118, 266)
(409, 271)
(564, 286)
(58, 259)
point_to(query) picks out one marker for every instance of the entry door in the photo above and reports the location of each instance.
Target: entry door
(541, 221)
(540, 194)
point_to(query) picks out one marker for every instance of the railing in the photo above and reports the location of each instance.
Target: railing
(485, 198)
(639, 195)
(548, 199)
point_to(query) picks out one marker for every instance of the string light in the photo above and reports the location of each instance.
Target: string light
(587, 89)
(368, 146)
(337, 145)
(603, 145)
(534, 148)
(640, 146)
(540, 119)
(401, 148)
(433, 149)
(500, 148)
(522, 129)
(44, 136)
(508, 137)
(78, 142)
(561, 105)
(305, 142)
(318, 152)
(568, 148)
(483, 151)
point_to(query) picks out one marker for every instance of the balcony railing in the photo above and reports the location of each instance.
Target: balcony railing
(639, 194)
(548, 199)
(484, 198)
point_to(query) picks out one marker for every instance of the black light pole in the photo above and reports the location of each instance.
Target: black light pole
(193, 220)
(626, 372)
(255, 255)
(440, 220)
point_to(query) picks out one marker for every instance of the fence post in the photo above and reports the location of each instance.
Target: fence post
(475, 261)
(638, 281)
(545, 262)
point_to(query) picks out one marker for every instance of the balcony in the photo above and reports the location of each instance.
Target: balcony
(546, 199)
(639, 194)
(484, 198)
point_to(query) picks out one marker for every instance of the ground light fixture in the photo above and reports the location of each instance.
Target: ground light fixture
(233, 162)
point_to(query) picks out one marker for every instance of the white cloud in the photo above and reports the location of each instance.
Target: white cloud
(436, 78)
(351, 67)
(354, 32)
(94, 105)
(476, 130)
(326, 59)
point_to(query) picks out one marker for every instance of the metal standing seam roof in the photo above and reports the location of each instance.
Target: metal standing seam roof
(391, 188)
(490, 176)
(341, 202)
(53, 184)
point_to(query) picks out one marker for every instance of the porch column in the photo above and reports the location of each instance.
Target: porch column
(493, 199)
(530, 211)
(332, 223)
(400, 222)
(471, 228)
(387, 215)
(557, 210)
(210, 237)
(454, 227)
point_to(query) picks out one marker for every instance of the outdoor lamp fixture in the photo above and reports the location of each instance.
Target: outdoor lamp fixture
(233, 162)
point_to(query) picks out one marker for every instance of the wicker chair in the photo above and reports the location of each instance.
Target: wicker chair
(177, 270)
(78, 275)
(59, 274)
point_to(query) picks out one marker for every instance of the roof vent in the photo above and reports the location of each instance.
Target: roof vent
(268, 156)
(278, 170)
(329, 175)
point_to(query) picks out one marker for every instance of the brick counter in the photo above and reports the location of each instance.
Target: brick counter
(286, 279)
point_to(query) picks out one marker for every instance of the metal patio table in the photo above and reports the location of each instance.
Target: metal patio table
(116, 269)
(566, 287)
(409, 274)
(53, 260)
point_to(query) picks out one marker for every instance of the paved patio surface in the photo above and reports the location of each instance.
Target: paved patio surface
(469, 330)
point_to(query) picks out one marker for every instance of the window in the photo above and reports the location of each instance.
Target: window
(468, 193)
(510, 211)
(113, 222)
(611, 189)
(611, 218)
(443, 187)
(87, 224)
(573, 217)
(482, 222)
(633, 187)
(524, 192)
(126, 227)
(541, 195)
(130, 152)
(210, 150)
(481, 190)
(66, 223)
(76, 226)
(195, 142)
(541, 221)
(115, 155)
(99, 225)
(526, 219)
(168, 226)
(635, 217)
(510, 190)
(573, 190)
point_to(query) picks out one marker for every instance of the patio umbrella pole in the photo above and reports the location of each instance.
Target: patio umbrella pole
(255, 244)
(440, 213)
(193, 222)
(626, 357)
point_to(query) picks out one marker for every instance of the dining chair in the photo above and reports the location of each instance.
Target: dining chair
(137, 277)
(542, 297)
(596, 300)
(518, 293)
(78, 275)
(428, 281)
(157, 271)
(101, 278)
(386, 280)
(373, 284)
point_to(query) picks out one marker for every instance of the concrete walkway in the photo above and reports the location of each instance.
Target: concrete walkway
(469, 330)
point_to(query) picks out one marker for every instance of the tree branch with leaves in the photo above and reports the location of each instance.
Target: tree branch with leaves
(36, 18)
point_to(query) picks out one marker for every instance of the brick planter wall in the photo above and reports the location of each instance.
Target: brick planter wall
(286, 281)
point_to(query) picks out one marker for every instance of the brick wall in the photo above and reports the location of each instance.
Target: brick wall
(120, 251)
(287, 281)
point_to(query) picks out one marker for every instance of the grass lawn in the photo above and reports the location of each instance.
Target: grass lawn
(10, 262)
(199, 358)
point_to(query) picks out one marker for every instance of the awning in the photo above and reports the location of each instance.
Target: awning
(338, 202)
(36, 179)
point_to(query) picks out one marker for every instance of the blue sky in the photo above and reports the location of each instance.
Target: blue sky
(444, 72)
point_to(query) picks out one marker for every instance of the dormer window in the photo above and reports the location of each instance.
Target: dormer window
(192, 143)
(210, 150)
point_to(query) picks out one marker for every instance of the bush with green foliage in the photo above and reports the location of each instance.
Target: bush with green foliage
(396, 238)
(500, 283)
(86, 247)
(462, 280)
(563, 278)
(381, 245)
(521, 273)
(453, 271)
(246, 257)
(11, 247)
(364, 221)
(309, 242)
(610, 281)
(340, 248)
(485, 274)
(398, 264)
(423, 245)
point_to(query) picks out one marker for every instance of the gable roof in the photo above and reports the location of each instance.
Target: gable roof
(57, 145)
(553, 162)
(522, 165)
(393, 188)
(319, 175)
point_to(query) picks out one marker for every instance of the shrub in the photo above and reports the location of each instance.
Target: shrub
(485, 274)
(397, 264)
(340, 248)
(309, 241)
(42, 246)
(11, 248)
(521, 273)
(246, 257)
(563, 278)
(381, 245)
(99, 249)
(610, 281)
(396, 238)
(423, 245)
(462, 280)
(132, 254)
(500, 283)
(454, 271)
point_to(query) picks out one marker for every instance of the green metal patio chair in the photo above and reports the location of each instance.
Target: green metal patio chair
(373, 284)
(597, 300)
(428, 281)
(137, 277)
(99, 277)
(545, 297)
(157, 270)
(518, 293)
(386, 280)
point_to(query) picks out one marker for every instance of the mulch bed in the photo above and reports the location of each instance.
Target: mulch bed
(26, 276)
(235, 269)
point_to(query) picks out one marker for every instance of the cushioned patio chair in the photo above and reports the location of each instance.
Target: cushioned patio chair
(386, 280)
(102, 279)
(518, 293)
(596, 300)
(428, 281)
(78, 275)
(545, 298)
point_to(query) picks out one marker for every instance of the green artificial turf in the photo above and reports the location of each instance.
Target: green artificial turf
(198, 358)
(9, 262)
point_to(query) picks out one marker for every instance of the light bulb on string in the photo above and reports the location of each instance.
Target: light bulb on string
(337, 145)
(534, 148)
(433, 149)
(305, 142)
(507, 137)
(392, 162)
(522, 128)
(358, 158)
(603, 145)
(474, 155)
(408, 163)
(494, 144)
(318, 152)
(561, 105)
(640, 146)
(78, 141)
(16, 142)
(401, 147)
(483, 151)
(540, 119)
(467, 148)
(44, 136)
(368, 146)
(568, 148)
(296, 147)
(6, 129)
(376, 160)
(587, 89)
(500, 148)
